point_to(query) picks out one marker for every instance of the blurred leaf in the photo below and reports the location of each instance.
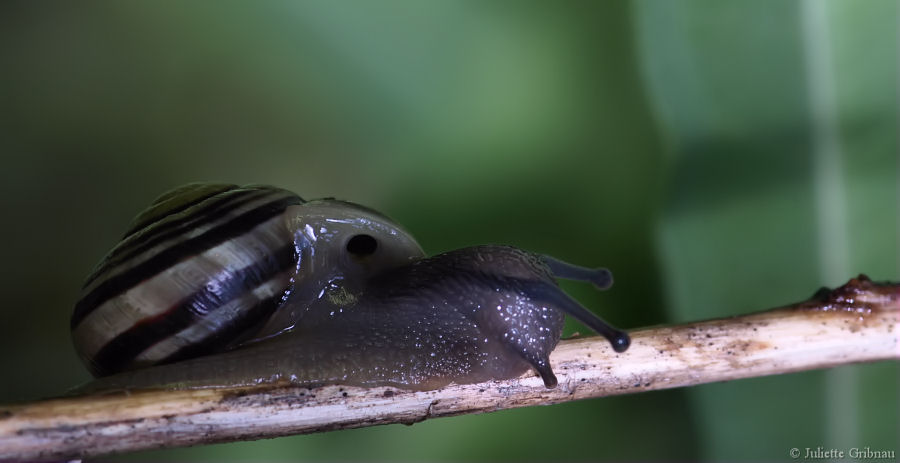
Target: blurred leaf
(749, 211)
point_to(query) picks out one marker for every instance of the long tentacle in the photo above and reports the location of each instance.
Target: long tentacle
(555, 297)
(600, 277)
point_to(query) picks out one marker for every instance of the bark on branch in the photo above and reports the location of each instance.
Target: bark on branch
(857, 322)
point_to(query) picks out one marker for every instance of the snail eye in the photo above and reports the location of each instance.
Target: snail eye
(362, 245)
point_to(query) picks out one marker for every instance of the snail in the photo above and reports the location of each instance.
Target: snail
(221, 285)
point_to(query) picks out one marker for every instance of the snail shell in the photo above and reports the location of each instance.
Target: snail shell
(208, 267)
(218, 285)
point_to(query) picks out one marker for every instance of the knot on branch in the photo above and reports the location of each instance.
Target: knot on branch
(860, 296)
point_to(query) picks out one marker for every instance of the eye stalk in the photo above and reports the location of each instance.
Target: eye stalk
(602, 279)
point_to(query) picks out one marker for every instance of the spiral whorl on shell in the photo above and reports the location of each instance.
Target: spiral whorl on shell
(202, 264)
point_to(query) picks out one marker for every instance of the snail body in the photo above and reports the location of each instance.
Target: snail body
(216, 285)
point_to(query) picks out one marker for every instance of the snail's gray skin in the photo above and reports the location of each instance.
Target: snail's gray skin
(381, 315)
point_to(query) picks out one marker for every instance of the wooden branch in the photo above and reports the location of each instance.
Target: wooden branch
(857, 322)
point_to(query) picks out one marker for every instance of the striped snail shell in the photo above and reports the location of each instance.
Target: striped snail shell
(209, 267)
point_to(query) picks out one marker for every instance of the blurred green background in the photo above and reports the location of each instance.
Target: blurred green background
(720, 157)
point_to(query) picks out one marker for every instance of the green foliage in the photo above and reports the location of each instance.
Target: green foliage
(694, 147)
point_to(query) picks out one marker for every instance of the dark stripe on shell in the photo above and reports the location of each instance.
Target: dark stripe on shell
(119, 352)
(231, 334)
(122, 282)
(175, 201)
(210, 210)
